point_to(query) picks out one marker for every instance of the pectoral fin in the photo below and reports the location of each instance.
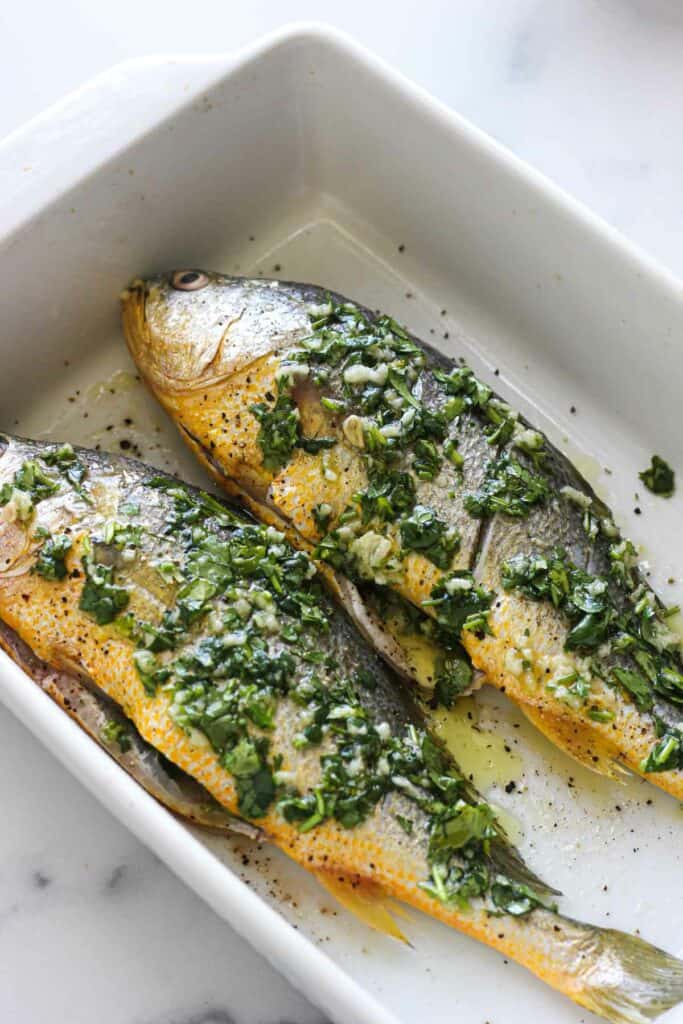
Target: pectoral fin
(367, 901)
(582, 745)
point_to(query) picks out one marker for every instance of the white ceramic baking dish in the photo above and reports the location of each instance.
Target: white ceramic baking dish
(305, 157)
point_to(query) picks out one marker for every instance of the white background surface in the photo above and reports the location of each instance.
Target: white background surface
(590, 92)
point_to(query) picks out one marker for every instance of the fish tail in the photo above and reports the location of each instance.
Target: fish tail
(618, 976)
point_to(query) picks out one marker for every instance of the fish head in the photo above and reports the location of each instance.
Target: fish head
(190, 329)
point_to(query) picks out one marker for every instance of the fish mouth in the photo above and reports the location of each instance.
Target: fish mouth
(133, 314)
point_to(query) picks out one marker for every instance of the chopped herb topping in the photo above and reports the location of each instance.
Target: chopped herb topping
(21, 500)
(450, 450)
(459, 825)
(459, 604)
(508, 487)
(31, 485)
(514, 898)
(387, 498)
(149, 670)
(426, 459)
(313, 445)
(460, 842)
(375, 367)
(65, 460)
(468, 394)
(423, 531)
(322, 515)
(279, 433)
(100, 597)
(666, 755)
(637, 685)
(116, 732)
(583, 598)
(122, 535)
(50, 563)
(407, 824)
(452, 680)
(370, 370)
(659, 477)
(35, 481)
(630, 643)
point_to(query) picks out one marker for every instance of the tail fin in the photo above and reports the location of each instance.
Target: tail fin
(618, 976)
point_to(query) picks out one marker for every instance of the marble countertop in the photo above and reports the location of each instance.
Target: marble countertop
(92, 926)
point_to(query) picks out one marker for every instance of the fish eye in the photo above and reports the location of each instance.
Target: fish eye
(189, 280)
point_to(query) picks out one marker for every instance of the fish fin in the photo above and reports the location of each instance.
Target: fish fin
(508, 861)
(367, 901)
(583, 746)
(618, 976)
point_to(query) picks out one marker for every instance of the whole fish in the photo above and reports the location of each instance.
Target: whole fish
(394, 465)
(217, 642)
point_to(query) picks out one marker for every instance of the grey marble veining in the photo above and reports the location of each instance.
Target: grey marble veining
(92, 926)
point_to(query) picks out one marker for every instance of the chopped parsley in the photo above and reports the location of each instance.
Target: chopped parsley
(374, 366)
(279, 432)
(459, 825)
(148, 670)
(387, 497)
(116, 732)
(35, 481)
(30, 486)
(322, 516)
(50, 563)
(450, 450)
(514, 898)
(659, 477)
(426, 459)
(583, 598)
(454, 677)
(423, 531)
(313, 445)
(22, 501)
(65, 460)
(101, 598)
(666, 755)
(636, 685)
(468, 394)
(407, 824)
(459, 604)
(630, 643)
(508, 487)
(122, 535)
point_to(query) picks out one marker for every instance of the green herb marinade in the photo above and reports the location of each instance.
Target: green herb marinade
(659, 477)
(628, 641)
(240, 636)
(374, 380)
